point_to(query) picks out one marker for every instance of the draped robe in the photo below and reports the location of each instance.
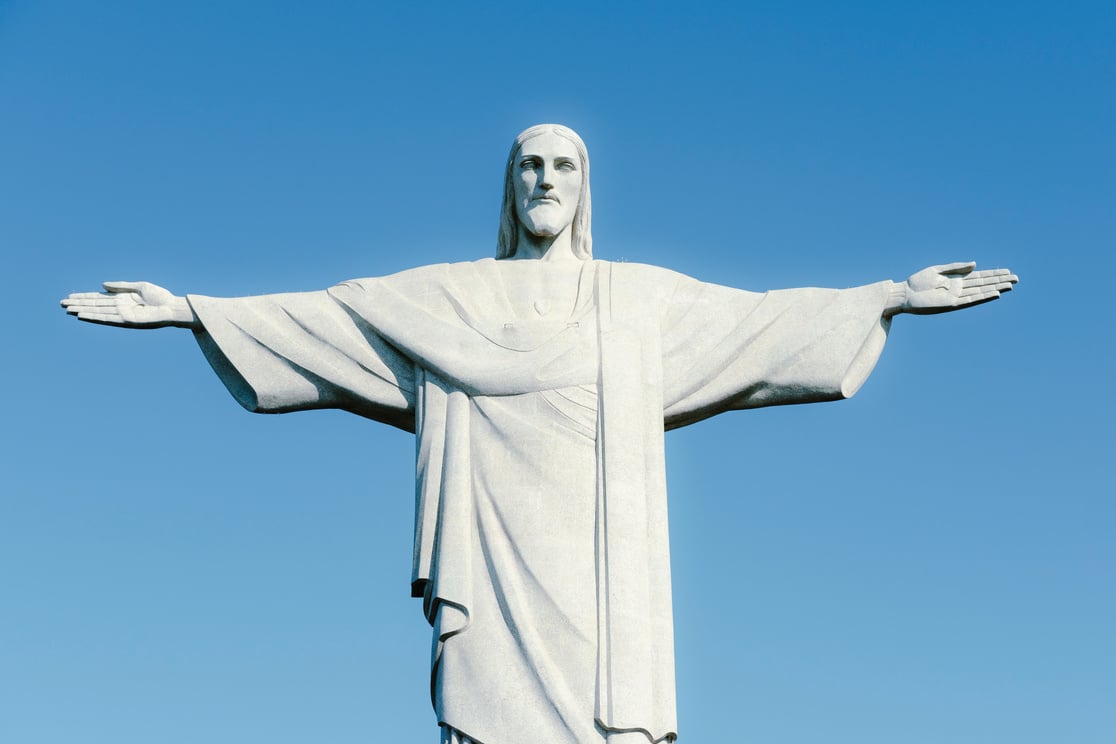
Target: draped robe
(541, 546)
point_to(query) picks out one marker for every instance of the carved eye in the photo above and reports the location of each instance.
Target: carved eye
(567, 165)
(528, 165)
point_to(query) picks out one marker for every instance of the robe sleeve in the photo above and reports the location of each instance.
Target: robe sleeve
(300, 351)
(726, 349)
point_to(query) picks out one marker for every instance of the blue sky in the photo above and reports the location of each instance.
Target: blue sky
(931, 561)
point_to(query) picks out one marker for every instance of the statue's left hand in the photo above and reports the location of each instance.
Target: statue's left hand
(940, 289)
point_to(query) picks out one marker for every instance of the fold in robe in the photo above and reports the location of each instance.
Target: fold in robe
(541, 545)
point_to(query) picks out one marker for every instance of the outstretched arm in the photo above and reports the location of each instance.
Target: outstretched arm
(940, 289)
(132, 305)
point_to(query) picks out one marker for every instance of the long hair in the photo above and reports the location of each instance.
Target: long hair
(582, 238)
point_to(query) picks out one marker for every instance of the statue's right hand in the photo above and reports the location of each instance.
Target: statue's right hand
(131, 305)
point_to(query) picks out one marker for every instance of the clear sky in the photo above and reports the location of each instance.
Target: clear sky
(930, 562)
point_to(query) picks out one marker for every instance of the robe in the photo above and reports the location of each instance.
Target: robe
(541, 545)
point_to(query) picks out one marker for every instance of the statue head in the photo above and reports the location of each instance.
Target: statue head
(581, 238)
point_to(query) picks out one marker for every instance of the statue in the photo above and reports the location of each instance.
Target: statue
(538, 386)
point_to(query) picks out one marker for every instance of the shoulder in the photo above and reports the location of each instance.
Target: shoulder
(638, 291)
(417, 277)
(653, 276)
(648, 283)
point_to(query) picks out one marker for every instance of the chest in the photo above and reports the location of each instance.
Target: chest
(537, 291)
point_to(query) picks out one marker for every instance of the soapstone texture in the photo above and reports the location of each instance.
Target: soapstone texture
(539, 391)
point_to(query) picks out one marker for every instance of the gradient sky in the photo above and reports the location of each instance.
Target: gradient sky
(930, 562)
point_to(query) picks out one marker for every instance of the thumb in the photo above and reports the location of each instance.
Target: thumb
(959, 267)
(115, 287)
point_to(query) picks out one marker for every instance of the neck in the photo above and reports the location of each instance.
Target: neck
(544, 247)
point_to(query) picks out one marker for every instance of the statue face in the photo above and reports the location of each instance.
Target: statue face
(547, 179)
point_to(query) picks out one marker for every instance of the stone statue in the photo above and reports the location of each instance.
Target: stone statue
(538, 386)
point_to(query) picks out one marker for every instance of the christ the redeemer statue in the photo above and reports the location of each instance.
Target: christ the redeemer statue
(538, 386)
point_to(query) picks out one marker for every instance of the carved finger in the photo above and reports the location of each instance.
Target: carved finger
(85, 296)
(958, 267)
(115, 287)
(1000, 275)
(976, 299)
(981, 280)
(82, 305)
(78, 307)
(106, 318)
(99, 301)
(986, 289)
(991, 281)
(109, 310)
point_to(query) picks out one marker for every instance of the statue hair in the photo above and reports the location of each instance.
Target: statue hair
(581, 239)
